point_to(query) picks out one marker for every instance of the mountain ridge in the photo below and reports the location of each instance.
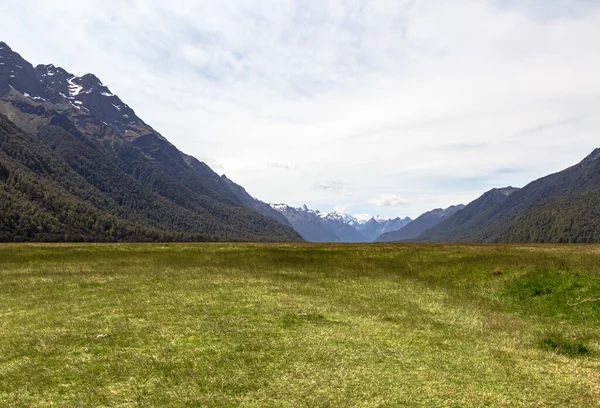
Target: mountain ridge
(101, 138)
(563, 207)
(422, 223)
(459, 226)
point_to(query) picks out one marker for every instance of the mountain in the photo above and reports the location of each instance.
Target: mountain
(422, 223)
(81, 146)
(395, 224)
(310, 224)
(561, 207)
(258, 205)
(43, 199)
(377, 225)
(316, 226)
(461, 226)
(560, 219)
(342, 226)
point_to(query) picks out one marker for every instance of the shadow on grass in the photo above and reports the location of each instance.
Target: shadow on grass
(294, 320)
(564, 346)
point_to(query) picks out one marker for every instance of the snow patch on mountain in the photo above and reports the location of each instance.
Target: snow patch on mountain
(74, 89)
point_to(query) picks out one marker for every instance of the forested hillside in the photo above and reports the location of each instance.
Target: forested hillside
(465, 223)
(560, 219)
(561, 207)
(422, 223)
(85, 167)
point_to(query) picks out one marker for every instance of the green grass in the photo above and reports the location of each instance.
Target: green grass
(565, 346)
(299, 325)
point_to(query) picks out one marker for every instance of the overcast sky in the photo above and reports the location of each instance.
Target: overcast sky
(375, 107)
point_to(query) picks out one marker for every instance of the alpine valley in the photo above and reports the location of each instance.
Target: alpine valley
(78, 164)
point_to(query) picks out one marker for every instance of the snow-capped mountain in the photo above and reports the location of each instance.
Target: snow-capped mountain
(340, 217)
(71, 138)
(317, 226)
(55, 85)
(378, 225)
(310, 224)
(342, 225)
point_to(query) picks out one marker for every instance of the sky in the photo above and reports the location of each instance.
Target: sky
(369, 107)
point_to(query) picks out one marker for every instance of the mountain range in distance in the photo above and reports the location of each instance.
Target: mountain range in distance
(316, 226)
(563, 207)
(78, 164)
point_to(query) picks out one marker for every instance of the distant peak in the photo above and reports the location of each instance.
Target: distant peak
(339, 216)
(50, 70)
(91, 76)
(91, 79)
(4, 45)
(595, 155)
(280, 207)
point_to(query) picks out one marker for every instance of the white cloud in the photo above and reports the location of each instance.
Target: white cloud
(446, 99)
(363, 217)
(332, 186)
(388, 200)
(341, 208)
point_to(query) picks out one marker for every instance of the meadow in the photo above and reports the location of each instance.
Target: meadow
(297, 325)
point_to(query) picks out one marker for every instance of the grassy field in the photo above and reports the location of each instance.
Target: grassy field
(299, 325)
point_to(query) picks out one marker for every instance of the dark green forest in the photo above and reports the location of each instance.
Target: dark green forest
(562, 219)
(61, 186)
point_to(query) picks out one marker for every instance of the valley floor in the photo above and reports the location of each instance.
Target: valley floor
(299, 325)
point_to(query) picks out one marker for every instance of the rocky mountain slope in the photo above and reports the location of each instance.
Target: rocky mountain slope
(122, 167)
